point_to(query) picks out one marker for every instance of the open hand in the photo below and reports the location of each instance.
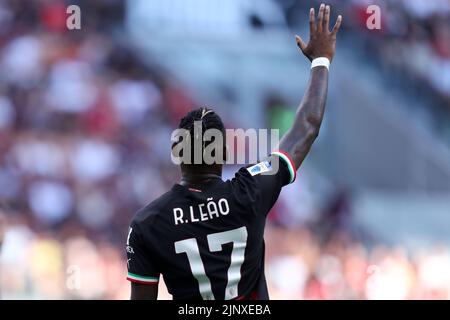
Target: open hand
(322, 41)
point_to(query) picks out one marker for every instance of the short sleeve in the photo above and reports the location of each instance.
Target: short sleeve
(141, 264)
(258, 186)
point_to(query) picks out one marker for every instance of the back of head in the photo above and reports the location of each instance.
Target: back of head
(206, 132)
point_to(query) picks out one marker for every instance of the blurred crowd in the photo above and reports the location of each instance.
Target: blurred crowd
(84, 142)
(301, 266)
(414, 40)
(413, 49)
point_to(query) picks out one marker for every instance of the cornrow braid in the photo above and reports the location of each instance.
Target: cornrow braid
(209, 120)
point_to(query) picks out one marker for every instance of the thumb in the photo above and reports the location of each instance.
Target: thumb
(300, 43)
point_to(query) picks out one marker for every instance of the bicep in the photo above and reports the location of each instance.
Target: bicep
(143, 291)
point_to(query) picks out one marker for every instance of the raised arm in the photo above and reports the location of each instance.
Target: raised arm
(322, 43)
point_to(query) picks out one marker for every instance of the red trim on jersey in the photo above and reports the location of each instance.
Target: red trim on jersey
(142, 282)
(291, 161)
(195, 190)
(253, 296)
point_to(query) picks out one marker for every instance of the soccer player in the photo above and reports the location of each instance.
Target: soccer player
(205, 235)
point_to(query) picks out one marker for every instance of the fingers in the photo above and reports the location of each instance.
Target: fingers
(320, 18)
(300, 43)
(323, 23)
(326, 19)
(312, 22)
(337, 26)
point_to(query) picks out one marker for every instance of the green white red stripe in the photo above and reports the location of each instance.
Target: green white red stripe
(142, 279)
(290, 164)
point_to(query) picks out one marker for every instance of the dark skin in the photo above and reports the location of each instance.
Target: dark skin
(298, 140)
(196, 176)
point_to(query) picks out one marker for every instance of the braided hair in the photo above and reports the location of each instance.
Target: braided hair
(209, 120)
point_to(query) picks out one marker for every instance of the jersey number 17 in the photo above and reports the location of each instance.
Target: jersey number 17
(215, 241)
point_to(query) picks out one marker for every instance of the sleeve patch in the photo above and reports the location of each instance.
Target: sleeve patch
(259, 168)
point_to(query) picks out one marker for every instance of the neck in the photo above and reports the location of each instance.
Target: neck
(199, 177)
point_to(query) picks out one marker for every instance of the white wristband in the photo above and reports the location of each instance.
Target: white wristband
(321, 62)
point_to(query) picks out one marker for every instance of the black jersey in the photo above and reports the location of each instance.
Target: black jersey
(208, 243)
